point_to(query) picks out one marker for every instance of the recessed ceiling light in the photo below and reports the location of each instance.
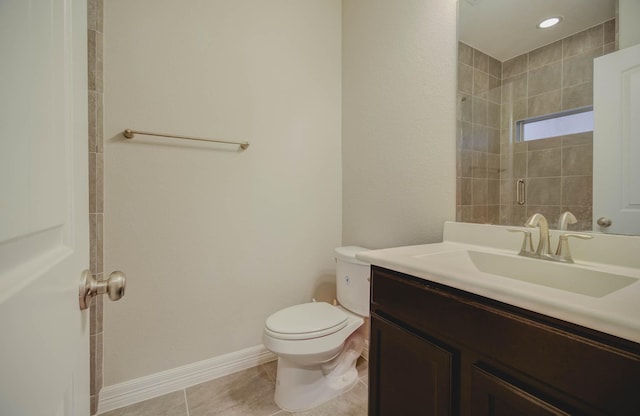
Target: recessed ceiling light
(547, 23)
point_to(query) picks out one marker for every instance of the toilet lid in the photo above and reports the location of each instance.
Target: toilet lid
(308, 320)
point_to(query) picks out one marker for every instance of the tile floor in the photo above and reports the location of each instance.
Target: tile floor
(246, 393)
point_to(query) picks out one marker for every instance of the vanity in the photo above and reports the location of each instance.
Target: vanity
(454, 332)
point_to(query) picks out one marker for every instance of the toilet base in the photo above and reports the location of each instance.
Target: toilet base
(300, 388)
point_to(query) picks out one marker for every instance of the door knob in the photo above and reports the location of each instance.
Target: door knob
(604, 222)
(90, 287)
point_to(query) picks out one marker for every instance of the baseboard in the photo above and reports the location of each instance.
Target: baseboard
(154, 385)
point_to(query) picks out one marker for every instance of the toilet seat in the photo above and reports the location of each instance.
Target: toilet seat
(306, 321)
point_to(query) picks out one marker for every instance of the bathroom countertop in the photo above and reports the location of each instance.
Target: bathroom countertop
(617, 313)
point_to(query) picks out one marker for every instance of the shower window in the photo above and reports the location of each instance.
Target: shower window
(563, 123)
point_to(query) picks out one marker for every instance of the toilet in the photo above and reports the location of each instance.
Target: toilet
(318, 343)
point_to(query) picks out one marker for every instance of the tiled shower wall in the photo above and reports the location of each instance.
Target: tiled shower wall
(96, 193)
(557, 171)
(478, 145)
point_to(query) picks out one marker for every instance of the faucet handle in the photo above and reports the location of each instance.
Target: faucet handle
(577, 235)
(527, 244)
(563, 245)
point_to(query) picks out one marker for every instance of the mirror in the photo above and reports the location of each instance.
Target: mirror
(512, 77)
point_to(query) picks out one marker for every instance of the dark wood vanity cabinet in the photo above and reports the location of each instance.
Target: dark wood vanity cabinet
(421, 372)
(436, 350)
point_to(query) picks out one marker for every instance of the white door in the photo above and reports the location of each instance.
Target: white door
(616, 141)
(44, 236)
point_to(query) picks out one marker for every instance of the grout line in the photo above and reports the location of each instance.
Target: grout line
(186, 403)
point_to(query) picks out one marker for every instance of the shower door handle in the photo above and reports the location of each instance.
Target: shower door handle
(90, 287)
(520, 192)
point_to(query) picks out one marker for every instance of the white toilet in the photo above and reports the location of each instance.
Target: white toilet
(317, 343)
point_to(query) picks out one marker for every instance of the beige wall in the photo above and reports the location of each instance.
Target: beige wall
(213, 240)
(398, 148)
(629, 11)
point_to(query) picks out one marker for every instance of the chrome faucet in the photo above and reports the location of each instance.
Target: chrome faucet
(538, 220)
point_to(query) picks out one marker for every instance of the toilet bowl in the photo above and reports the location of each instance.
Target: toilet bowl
(317, 343)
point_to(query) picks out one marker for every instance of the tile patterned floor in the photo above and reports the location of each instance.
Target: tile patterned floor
(246, 393)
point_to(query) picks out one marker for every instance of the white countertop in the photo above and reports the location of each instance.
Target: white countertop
(617, 313)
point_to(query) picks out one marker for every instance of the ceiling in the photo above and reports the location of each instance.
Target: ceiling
(505, 29)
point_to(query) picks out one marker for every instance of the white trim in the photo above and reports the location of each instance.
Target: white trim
(154, 385)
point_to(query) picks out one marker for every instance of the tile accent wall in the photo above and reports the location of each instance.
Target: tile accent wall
(96, 189)
(478, 145)
(557, 171)
(558, 174)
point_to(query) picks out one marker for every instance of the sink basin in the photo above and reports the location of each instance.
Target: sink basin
(571, 278)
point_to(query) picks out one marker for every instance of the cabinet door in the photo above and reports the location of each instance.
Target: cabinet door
(409, 375)
(491, 395)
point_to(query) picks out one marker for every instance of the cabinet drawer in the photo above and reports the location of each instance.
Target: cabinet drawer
(591, 372)
(491, 395)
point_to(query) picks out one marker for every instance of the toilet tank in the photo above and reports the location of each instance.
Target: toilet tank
(352, 280)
